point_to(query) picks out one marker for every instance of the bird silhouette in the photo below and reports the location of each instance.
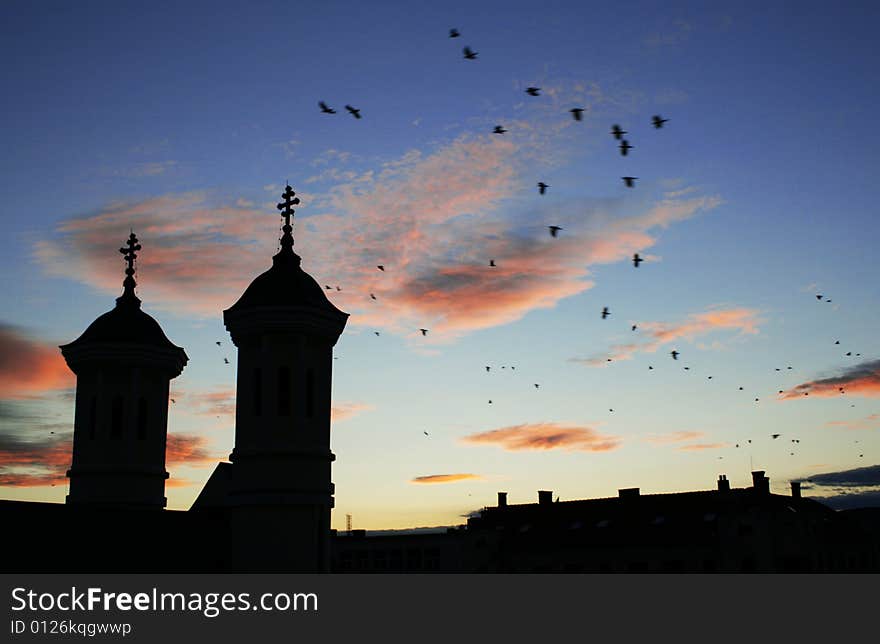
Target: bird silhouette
(837, 342)
(498, 130)
(491, 262)
(658, 122)
(376, 332)
(372, 296)
(629, 181)
(329, 288)
(819, 297)
(605, 312)
(775, 435)
(424, 331)
(226, 360)
(217, 343)
(554, 230)
(426, 433)
(533, 91)
(634, 327)
(617, 132)
(542, 187)
(454, 33)
(381, 267)
(637, 260)
(469, 53)
(537, 386)
(650, 367)
(354, 112)
(338, 288)
(625, 147)
(577, 113)
(674, 354)
(325, 109)
(172, 400)
(488, 368)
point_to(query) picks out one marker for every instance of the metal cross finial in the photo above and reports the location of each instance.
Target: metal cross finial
(286, 208)
(130, 255)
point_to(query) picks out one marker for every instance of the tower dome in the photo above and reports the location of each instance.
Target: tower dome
(123, 363)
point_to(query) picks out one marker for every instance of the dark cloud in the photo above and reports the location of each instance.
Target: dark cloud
(862, 379)
(859, 477)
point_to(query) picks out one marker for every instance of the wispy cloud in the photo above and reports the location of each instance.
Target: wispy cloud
(545, 436)
(28, 366)
(862, 379)
(695, 447)
(433, 218)
(344, 411)
(445, 478)
(868, 422)
(741, 320)
(674, 437)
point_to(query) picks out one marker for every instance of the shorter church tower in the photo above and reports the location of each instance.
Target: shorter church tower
(123, 364)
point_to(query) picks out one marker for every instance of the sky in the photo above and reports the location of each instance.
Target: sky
(758, 195)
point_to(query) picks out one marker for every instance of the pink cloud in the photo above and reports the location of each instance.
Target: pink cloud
(344, 411)
(545, 436)
(433, 219)
(701, 446)
(445, 478)
(29, 367)
(675, 437)
(744, 321)
(869, 422)
(859, 380)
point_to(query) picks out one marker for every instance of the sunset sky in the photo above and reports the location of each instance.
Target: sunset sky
(759, 194)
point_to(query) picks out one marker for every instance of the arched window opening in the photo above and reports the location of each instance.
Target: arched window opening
(116, 417)
(284, 391)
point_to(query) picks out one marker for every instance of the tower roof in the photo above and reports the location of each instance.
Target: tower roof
(286, 284)
(126, 323)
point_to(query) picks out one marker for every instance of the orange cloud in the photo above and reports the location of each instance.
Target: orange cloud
(744, 321)
(207, 403)
(29, 367)
(675, 437)
(860, 380)
(29, 463)
(701, 446)
(545, 436)
(343, 411)
(188, 449)
(869, 422)
(445, 478)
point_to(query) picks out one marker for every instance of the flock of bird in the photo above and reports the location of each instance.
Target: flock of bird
(624, 146)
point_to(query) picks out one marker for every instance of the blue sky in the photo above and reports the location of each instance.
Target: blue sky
(184, 122)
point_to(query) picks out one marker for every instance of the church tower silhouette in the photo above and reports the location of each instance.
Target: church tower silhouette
(123, 364)
(277, 491)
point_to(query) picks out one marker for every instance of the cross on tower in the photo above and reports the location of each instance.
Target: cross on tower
(286, 208)
(130, 255)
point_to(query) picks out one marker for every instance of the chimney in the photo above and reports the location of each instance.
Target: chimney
(545, 497)
(795, 489)
(502, 499)
(628, 493)
(760, 483)
(723, 483)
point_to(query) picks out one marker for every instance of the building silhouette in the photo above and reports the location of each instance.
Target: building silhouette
(268, 508)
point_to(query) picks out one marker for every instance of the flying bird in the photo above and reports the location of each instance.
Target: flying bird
(775, 435)
(426, 433)
(491, 262)
(674, 354)
(658, 122)
(217, 343)
(542, 187)
(629, 181)
(554, 230)
(637, 260)
(488, 368)
(469, 53)
(577, 113)
(329, 288)
(381, 267)
(634, 327)
(424, 331)
(819, 297)
(605, 312)
(617, 132)
(453, 33)
(172, 400)
(498, 130)
(533, 91)
(376, 332)
(537, 385)
(372, 296)
(625, 147)
(226, 360)
(325, 109)
(355, 113)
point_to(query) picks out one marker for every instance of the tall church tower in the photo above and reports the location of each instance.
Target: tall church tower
(123, 364)
(279, 483)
